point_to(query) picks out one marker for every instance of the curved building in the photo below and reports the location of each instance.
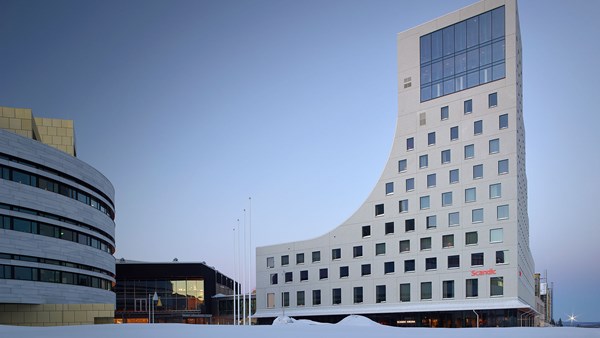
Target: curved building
(57, 230)
(443, 239)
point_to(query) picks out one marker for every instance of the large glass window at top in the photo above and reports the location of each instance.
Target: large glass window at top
(463, 55)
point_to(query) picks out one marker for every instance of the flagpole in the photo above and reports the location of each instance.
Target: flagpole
(234, 275)
(250, 265)
(244, 271)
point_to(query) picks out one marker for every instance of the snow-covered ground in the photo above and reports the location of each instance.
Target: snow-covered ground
(350, 327)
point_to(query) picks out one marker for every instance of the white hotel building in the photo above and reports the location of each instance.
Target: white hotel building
(443, 238)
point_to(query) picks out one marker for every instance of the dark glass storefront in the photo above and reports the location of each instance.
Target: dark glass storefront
(184, 292)
(453, 319)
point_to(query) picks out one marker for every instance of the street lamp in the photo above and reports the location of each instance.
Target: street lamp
(152, 299)
(572, 318)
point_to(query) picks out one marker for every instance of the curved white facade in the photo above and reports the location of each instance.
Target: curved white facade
(447, 201)
(57, 232)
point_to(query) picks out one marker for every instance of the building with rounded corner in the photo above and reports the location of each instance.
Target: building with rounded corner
(443, 238)
(57, 230)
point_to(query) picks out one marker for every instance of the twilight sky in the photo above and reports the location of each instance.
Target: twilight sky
(191, 107)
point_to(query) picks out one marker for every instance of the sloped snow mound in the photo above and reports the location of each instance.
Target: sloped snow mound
(356, 320)
(283, 320)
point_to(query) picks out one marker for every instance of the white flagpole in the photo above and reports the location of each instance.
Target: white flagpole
(234, 276)
(244, 271)
(250, 265)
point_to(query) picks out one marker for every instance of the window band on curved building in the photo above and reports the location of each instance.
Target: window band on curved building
(57, 230)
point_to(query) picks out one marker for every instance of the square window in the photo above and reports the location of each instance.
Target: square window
(496, 286)
(472, 288)
(424, 202)
(285, 260)
(410, 184)
(401, 166)
(495, 190)
(502, 212)
(300, 298)
(410, 143)
(431, 180)
(477, 215)
(357, 251)
(273, 279)
(447, 241)
(405, 245)
(454, 133)
(316, 256)
(454, 176)
(502, 167)
(405, 292)
(366, 231)
(425, 243)
(447, 198)
(431, 138)
(501, 257)
(380, 294)
(316, 297)
(380, 249)
(336, 253)
(492, 100)
(303, 275)
(477, 171)
(503, 121)
(494, 146)
(323, 273)
(389, 228)
(468, 107)
(409, 265)
(270, 262)
(378, 209)
(286, 299)
(471, 238)
(431, 222)
(448, 289)
(469, 151)
(496, 235)
(389, 188)
(446, 156)
(423, 161)
(470, 195)
(478, 127)
(289, 277)
(444, 113)
(344, 271)
(358, 294)
(300, 258)
(403, 205)
(477, 259)
(365, 269)
(453, 261)
(430, 263)
(425, 290)
(409, 225)
(453, 219)
(388, 267)
(336, 296)
(270, 300)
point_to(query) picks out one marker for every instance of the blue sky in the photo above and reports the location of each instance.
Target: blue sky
(191, 107)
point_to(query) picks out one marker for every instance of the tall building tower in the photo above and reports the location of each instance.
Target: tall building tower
(57, 230)
(443, 238)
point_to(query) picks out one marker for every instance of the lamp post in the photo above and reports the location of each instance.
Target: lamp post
(154, 300)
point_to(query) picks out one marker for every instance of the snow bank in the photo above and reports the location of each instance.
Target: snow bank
(356, 320)
(287, 331)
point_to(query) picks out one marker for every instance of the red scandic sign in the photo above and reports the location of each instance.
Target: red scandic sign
(483, 272)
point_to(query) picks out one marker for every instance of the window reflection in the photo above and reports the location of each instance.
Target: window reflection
(476, 45)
